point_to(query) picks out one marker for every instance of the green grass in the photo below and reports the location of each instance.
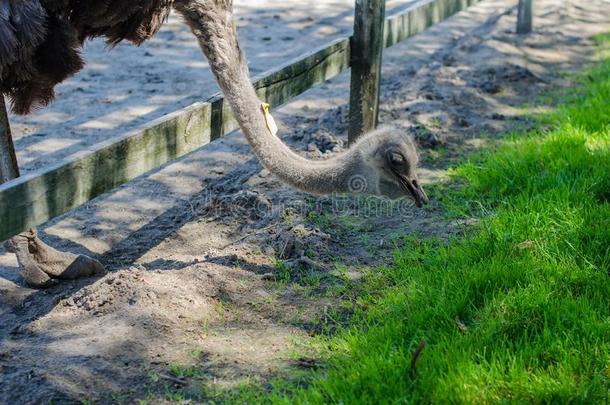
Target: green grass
(516, 310)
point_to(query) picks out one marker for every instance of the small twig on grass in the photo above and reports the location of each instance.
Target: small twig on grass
(178, 381)
(416, 355)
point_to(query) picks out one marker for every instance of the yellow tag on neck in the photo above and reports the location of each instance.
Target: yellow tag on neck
(271, 125)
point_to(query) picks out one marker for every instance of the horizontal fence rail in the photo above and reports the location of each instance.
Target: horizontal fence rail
(37, 197)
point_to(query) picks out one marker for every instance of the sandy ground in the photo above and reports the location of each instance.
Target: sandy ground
(205, 253)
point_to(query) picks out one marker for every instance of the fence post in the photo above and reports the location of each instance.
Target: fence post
(524, 17)
(8, 160)
(366, 57)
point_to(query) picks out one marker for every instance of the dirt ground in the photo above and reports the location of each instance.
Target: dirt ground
(217, 270)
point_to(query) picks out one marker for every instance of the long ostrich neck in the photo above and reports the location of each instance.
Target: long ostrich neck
(212, 23)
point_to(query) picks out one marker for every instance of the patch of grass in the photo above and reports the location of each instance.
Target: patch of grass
(182, 371)
(517, 309)
(284, 273)
(603, 42)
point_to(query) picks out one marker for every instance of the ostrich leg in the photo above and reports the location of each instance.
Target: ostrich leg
(39, 263)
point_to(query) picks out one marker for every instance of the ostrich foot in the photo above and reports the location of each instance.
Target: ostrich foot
(41, 265)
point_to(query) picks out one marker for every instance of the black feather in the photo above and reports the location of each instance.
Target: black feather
(40, 40)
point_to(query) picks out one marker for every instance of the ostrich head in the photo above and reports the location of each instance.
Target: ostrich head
(390, 162)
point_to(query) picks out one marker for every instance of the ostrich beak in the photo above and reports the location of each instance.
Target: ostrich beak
(415, 189)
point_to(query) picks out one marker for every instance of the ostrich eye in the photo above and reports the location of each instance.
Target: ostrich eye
(396, 158)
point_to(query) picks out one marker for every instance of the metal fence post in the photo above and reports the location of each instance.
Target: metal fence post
(367, 53)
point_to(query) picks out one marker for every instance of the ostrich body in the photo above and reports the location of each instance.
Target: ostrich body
(39, 47)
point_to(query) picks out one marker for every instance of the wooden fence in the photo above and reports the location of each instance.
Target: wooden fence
(37, 197)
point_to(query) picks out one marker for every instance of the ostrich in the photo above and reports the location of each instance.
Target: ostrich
(39, 47)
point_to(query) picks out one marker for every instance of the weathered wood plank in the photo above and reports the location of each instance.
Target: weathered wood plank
(524, 17)
(419, 17)
(367, 54)
(35, 198)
